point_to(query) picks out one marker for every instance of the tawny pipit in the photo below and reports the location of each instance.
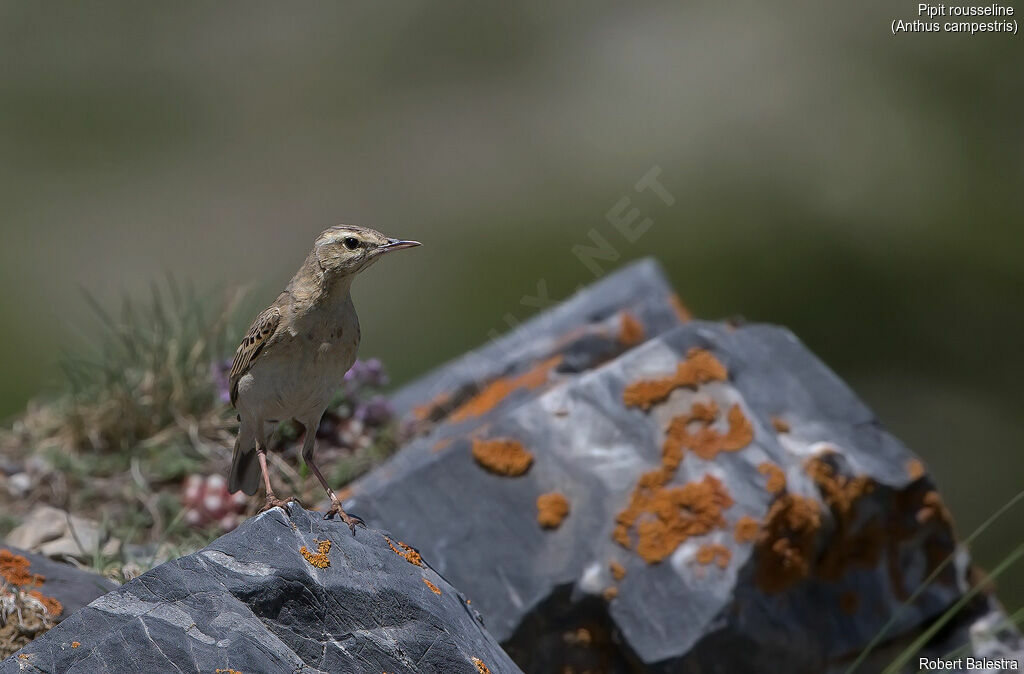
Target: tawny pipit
(296, 353)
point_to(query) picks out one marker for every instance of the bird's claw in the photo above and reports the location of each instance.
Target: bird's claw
(274, 502)
(350, 520)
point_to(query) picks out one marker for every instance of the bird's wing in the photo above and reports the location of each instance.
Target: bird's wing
(259, 334)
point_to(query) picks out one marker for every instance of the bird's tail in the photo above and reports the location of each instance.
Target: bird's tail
(245, 469)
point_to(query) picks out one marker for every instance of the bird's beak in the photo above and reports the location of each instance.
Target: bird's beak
(398, 244)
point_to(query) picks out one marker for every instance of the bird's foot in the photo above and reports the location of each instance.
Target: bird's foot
(274, 502)
(350, 520)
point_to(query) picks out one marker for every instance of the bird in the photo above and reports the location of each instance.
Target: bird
(295, 354)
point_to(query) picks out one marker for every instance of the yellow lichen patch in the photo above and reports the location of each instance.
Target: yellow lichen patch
(618, 571)
(666, 516)
(714, 552)
(406, 552)
(780, 425)
(319, 558)
(433, 588)
(14, 569)
(502, 456)
(501, 388)
(776, 478)
(915, 469)
(785, 545)
(746, 529)
(552, 508)
(700, 367)
(481, 668)
(631, 330)
(75, 644)
(226, 671)
(610, 593)
(682, 313)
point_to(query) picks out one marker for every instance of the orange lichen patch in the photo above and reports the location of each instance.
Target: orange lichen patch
(714, 552)
(319, 558)
(934, 510)
(14, 569)
(580, 636)
(433, 588)
(52, 606)
(707, 441)
(443, 443)
(706, 554)
(780, 425)
(501, 388)
(666, 516)
(853, 542)
(481, 668)
(849, 602)
(429, 411)
(552, 508)
(631, 330)
(746, 529)
(618, 571)
(610, 592)
(682, 312)
(915, 469)
(700, 367)
(776, 478)
(502, 456)
(785, 545)
(839, 491)
(226, 671)
(407, 552)
(76, 644)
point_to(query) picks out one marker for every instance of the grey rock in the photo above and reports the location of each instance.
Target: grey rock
(53, 532)
(544, 592)
(253, 602)
(72, 587)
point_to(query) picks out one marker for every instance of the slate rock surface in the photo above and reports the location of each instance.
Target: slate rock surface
(278, 594)
(732, 505)
(71, 586)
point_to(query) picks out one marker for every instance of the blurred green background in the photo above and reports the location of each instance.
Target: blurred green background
(860, 188)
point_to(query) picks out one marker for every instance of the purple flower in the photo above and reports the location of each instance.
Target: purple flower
(375, 412)
(367, 373)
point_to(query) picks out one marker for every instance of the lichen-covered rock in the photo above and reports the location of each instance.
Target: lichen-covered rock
(278, 594)
(72, 587)
(732, 505)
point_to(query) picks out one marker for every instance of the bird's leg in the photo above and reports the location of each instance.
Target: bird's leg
(272, 500)
(308, 447)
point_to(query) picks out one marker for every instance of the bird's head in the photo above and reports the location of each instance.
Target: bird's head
(349, 249)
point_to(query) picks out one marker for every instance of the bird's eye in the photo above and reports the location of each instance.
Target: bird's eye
(351, 242)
